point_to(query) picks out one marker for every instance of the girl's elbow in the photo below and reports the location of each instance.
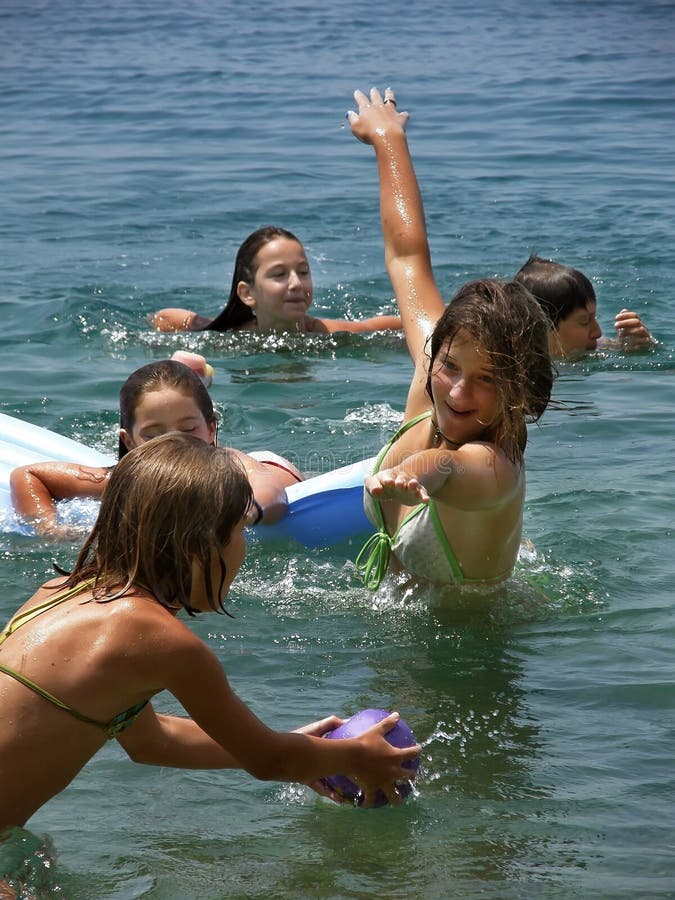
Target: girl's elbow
(19, 480)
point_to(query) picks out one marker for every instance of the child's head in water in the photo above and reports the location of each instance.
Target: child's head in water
(171, 521)
(256, 291)
(490, 369)
(567, 297)
(160, 397)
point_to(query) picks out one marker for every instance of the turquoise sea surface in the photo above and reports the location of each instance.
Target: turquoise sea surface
(140, 142)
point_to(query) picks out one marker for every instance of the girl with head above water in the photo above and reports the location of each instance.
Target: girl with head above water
(271, 291)
(447, 491)
(157, 398)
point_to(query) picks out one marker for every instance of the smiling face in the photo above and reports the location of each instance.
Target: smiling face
(464, 392)
(577, 333)
(164, 410)
(281, 292)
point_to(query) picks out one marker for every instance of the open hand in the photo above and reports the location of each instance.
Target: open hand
(376, 115)
(397, 484)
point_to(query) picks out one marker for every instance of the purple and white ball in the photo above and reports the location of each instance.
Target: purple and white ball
(399, 736)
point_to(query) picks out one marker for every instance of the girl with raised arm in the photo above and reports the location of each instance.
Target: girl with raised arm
(447, 491)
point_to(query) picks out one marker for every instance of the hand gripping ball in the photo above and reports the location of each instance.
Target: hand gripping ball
(399, 736)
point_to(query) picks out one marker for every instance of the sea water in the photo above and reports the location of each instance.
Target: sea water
(140, 143)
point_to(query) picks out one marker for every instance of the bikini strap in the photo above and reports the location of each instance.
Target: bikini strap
(22, 618)
(402, 430)
(26, 682)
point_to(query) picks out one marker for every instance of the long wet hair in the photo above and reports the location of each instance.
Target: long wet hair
(236, 313)
(559, 289)
(170, 503)
(510, 327)
(166, 373)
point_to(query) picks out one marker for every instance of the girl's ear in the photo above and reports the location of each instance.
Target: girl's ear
(246, 295)
(126, 439)
(213, 431)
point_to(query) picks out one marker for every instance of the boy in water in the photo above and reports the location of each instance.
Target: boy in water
(567, 297)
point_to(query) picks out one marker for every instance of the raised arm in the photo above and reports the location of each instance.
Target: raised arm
(406, 248)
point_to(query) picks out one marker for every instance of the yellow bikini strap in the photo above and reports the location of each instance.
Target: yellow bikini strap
(21, 618)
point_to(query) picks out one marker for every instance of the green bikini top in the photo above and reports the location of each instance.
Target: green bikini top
(112, 728)
(419, 543)
(373, 559)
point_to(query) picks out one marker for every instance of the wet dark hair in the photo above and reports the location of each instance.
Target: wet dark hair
(559, 289)
(236, 312)
(510, 327)
(170, 502)
(166, 373)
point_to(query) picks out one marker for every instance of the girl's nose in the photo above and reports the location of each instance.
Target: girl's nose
(459, 389)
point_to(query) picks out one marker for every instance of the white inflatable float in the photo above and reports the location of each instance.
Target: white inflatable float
(322, 511)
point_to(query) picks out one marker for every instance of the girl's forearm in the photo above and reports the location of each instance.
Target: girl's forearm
(401, 209)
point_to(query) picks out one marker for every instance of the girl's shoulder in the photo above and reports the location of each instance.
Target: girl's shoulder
(146, 627)
(322, 326)
(483, 476)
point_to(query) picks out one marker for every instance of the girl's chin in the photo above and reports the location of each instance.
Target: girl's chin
(458, 431)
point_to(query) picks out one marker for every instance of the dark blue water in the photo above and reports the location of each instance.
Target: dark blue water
(140, 142)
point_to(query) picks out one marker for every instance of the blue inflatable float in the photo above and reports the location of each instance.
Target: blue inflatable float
(322, 511)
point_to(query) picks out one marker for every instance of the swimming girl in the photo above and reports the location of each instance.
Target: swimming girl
(159, 397)
(567, 297)
(458, 459)
(81, 661)
(271, 291)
